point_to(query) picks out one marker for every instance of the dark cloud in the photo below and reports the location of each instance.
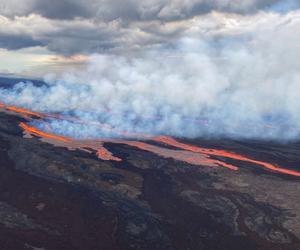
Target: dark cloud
(14, 42)
(163, 10)
(133, 10)
(87, 26)
(62, 9)
(67, 43)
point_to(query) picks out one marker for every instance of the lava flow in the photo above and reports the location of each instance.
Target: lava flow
(104, 154)
(182, 152)
(23, 112)
(37, 132)
(215, 152)
(70, 143)
(194, 158)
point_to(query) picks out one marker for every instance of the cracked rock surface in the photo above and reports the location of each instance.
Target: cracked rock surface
(53, 198)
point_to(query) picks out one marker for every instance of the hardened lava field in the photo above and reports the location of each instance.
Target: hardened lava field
(58, 192)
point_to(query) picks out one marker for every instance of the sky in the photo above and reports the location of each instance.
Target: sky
(42, 36)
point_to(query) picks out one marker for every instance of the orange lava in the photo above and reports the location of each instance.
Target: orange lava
(24, 111)
(37, 132)
(104, 154)
(187, 153)
(194, 158)
(27, 114)
(215, 152)
(224, 164)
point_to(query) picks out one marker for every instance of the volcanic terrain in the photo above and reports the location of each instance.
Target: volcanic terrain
(145, 192)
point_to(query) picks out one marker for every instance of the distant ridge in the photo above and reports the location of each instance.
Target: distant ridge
(10, 81)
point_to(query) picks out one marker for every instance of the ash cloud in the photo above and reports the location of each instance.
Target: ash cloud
(228, 81)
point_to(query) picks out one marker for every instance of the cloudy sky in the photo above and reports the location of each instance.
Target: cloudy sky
(37, 36)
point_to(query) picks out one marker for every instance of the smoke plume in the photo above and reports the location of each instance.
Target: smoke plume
(240, 80)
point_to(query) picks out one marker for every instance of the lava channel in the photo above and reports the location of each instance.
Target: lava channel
(222, 153)
(187, 153)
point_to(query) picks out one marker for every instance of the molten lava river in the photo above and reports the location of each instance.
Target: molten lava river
(155, 144)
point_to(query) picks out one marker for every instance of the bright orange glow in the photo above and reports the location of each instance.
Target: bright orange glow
(194, 158)
(215, 152)
(104, 154)
(199, 158)
(187, 153)
(35, 131)
(24, 111)
(224, 164)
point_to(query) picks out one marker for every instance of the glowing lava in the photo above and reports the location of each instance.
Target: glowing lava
(180, 155)
(104, 154)
(183, 152)
(70, 143)
(26, 113)
(35, 131)
(215, 152)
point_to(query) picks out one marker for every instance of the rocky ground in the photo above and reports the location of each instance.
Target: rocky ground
(54, 198)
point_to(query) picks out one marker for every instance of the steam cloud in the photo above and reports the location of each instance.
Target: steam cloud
(223, 83)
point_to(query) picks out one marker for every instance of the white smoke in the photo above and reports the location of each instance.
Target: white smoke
(240, 80)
